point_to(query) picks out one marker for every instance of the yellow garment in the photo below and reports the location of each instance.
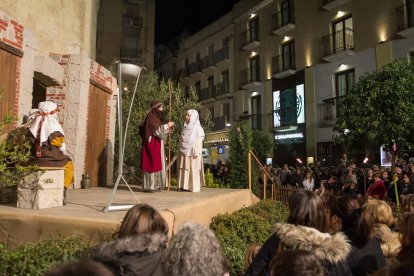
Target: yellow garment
(58, 141)
(69, 174)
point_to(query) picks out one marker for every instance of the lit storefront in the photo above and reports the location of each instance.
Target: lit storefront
(216, 148)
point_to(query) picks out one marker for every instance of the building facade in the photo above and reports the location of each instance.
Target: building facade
(291, 60)
(126, 32)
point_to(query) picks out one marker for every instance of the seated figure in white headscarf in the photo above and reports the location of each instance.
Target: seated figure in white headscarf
(46, 136)
(191, 173)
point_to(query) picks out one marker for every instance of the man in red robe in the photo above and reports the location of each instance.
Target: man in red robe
(153, 134)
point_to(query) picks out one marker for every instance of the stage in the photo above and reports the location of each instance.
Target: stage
(83, 213)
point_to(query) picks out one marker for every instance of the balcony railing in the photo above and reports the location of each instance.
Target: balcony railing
(250, 37)
(132, 21)
(283, 63)
(222, 89)
(219, 123)
(327, 111)
(207, 93)
(249, 76)
(208, 61)
(131, 53)
(338, 42)
(405, 17)
(195, 67)
(222, 54)
(284, 17)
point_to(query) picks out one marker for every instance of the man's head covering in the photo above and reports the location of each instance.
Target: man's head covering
(152, 121)
(190, 132)
(45, 123)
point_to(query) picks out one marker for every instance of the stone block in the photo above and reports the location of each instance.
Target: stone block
(40, 190)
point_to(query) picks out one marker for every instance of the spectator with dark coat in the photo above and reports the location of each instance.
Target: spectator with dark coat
(306, 229)
(141, 241)
(403, 263)
(347, 216)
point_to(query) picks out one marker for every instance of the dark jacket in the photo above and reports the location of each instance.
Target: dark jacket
(367, 259)
(394, 267)
(332, 250)
(135, 255)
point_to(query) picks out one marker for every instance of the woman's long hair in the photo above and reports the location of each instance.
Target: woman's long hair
(357, 224)
(142, 219)
(306, 208)
(407, 237)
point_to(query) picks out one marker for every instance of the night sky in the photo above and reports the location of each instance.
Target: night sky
(173, 18)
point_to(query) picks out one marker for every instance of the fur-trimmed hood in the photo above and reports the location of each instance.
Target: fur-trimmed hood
(135, 255)
(331, 248)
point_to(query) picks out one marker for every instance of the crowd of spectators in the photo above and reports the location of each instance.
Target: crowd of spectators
(355, 233)
(348, 179)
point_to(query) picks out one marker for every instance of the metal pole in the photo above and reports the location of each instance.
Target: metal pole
(249, 169)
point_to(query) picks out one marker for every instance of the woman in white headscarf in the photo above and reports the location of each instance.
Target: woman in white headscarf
(48, 141)
(191, 173)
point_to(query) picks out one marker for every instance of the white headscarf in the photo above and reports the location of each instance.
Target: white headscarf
(46, 116)
(190, 132)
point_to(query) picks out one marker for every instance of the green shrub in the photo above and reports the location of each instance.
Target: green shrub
(246, 226)
(37, 258)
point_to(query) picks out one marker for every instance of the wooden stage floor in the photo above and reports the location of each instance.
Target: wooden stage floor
(83, 214)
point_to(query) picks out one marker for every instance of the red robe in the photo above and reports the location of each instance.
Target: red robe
(151, 155)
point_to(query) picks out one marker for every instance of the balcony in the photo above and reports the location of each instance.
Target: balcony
(207, 94)
(283, 66)
(131, 21)
(249, 78)
(131, 54)
(222, 55)
(405, 20)
(327, 112)
(250, 40)
(208, 63)
(330, 5)
(338, 45)
(195, 68)
(219, 124)
(223, 89)
(285, 21)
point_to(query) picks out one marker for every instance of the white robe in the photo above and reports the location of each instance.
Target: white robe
(190, 170)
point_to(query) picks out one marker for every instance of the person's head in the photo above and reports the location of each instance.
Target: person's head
(369, 172)
(191, 116)
(347, 216)
(376, 176)
(194, 250)
(398, 170)
(406, 178)
(296, 263)
(349, 171)
(157, 105)
(407, 203)
(249, 254)
(385, 174)
(406, 226)
(308, 174)
(80, 268)
(142, 219)
(380, 211)
(306, 208)
(332, 179)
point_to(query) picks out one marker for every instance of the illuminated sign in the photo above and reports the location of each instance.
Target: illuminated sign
(288, 136)
(289, 106)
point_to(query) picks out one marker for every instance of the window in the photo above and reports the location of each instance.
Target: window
(254, 30)
(225, 82)
(210, 87)
(343, 35)
(198, 61)
(226, 112)
(287, 15)
(255, 69)
(197, 89)
(411, 56)
(187, 67)
(210, 50)
(288, 55)
(344, 82)
(211, 110)
(256, 116)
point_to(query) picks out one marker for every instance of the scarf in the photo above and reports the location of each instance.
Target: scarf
(190, 132)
